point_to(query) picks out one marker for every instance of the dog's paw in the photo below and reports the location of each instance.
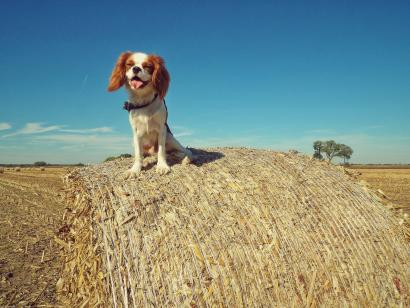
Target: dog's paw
(132, 173)
(163, 169)
(186, 157)
(190, 157)
(187, 160)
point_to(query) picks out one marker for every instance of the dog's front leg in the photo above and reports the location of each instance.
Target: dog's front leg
(136, 168)
(162, 166)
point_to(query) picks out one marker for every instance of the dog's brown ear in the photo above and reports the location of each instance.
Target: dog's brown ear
(160, 76)
(118, 74)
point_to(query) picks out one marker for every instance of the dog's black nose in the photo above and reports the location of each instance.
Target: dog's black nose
(136, 69)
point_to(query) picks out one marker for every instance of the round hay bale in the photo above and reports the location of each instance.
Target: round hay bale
(2, 170)
(17, 169)
(239, 227)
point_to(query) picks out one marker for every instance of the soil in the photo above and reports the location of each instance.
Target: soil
(32, 210)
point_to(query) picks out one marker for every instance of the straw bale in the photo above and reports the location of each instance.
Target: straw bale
(239, 227)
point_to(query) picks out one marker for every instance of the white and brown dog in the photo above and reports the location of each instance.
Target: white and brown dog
(146, 80)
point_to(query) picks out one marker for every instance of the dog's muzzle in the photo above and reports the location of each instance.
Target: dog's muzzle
(137, 83)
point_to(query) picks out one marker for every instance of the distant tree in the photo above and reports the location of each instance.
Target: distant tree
(40, 163)
(115, 157)
(331, 149)
(318, 147)
(79, 165)
(110, 158)
(317, 155)
(345, 152)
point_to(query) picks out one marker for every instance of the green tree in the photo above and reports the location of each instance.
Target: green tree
(331, 149)
(317, 155)
(110, 158)
(318, 147)
(345, 152)
(40, 163)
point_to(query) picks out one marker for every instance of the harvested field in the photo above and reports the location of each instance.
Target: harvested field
(240, 227)
(393, 182)
(31, 214)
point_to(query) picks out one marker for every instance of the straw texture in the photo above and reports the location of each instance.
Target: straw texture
(240, 227)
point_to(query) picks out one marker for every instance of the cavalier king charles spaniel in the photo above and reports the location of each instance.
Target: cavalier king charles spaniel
(146, 80)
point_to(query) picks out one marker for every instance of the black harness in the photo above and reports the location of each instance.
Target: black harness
(130, 106)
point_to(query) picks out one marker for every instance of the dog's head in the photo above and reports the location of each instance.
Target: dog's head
(141, 74)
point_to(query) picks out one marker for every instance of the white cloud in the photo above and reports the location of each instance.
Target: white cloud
(4, 126)
(86, 139)
(34, 128)
(181, 131)
(38, 128)
(182, 134)
(103, 129)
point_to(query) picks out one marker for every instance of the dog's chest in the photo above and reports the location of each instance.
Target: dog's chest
(145, 126)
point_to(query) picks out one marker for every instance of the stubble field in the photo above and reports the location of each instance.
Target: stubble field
(31, 210)
(393, 182)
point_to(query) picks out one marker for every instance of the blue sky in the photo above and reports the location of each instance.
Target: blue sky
(265, 74)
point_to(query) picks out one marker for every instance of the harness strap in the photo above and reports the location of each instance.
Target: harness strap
(130, 106)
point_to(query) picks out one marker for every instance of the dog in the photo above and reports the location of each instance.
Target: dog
(146, 80)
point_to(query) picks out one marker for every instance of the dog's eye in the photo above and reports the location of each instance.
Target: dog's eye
(148, 67)
(129, 64)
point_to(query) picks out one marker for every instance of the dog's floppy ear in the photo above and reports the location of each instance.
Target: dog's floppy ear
(118, 74)
(160, 75)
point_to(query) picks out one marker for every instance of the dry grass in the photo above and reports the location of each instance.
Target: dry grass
(31, 216)
(394, 183)
(238, 228)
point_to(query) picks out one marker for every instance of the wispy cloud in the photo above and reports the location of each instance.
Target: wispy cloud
(39, 128)
(4, 126)
(84, 81)
(87, 143)
(245, 140)
(320, 131)
(85, 139)
(181, 131)
(103, 129)
(63, 144)
(33, 128)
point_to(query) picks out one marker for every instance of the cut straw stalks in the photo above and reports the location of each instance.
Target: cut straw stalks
(240, 227)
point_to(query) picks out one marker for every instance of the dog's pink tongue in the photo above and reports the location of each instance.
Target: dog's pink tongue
(136, 84)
